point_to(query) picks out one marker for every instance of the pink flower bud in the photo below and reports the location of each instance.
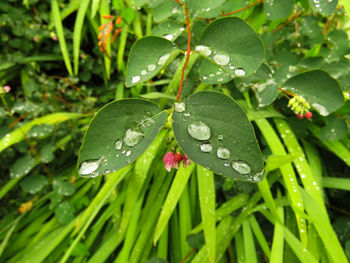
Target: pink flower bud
(169, 160)
(36, 39)
(186, 161)
(7, 88)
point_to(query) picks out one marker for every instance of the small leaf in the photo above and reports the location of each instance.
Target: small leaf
(40, 131)
(34, 184)
(46, 153)
(119, 133)
(266, 93)
(22, 166)
(277, 9)
(319, 89)
(232, 45)
(167, 9)
(170, 30)
(214, 131)
(324, 7)
(199, 7)
(63, 188)
(335, 129)
(64, 213)
(147, 57)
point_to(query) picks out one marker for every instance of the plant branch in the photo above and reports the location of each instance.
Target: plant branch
(242, 9)
(188, 52)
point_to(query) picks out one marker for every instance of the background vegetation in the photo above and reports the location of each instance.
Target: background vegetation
(61, 61)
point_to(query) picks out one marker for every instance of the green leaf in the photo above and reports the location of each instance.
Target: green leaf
(118, 134)
(22, 166)
(170, 30)
(232, 45)
(40, 131)
(157, 95)
(324, 7)
(167, 9)
(319, 89)
(63, 188)
(276, 161)
(147, 57)
(199, 7)
(266, 93)
(46, 153)
(218, 124)
(34, 184)
(64, 213)
(336, 129)
(277, 9)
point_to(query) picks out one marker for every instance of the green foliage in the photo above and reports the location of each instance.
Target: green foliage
(222, 171)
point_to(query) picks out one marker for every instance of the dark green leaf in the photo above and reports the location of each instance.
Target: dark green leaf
(233, 45)
(119, 133)
(147, 57)
(277, 9)
(64, 213)
(199, 7)
(170, 30)
(40, 131)
(46, 153)
(218, 126)
(63, 188)
(319, 89)
(34, 184)
(336, 129)
(266, 93)
(22, 166)
(324, 7)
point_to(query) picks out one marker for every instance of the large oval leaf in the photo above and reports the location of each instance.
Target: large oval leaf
(231, 135)
(233, 45)
(119, 133)
(319, 89)
(147, 57)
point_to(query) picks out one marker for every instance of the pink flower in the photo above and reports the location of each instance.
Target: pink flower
(36, 39)
(7, 88)
(169, 160)
(186, 161)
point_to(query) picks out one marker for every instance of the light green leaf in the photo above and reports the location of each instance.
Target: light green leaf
(147, 57)
(214, 131)
(319, 89)
(336, 129)
(119, 133)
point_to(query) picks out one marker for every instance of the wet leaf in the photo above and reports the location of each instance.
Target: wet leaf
(34, 184)
(324, 7)
(277, 9)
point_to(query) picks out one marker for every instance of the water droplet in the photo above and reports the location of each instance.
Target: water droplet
(132, 137)
(223, 153)
(118, 144)
(180, 107)
(135, 79)
(226, 164)
(143, 72)
(151, 67)
(204, 50)
(128, 153)
(232, 67)
(170, 37)
(222, 59)
(163, 59)
(322, 110)
(187, 114)
(88, 167)
(220, 137)
(206, 147)
(241, 167)
(240, 72)
(199, 130)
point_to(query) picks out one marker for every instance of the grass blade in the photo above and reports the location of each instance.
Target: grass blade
(249, 245)
(259, 235)
(56, 16)
(206, 190)
(105, 10)
(336, 183)
(278, 240)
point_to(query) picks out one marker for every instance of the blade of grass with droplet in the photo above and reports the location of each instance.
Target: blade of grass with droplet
(78, 27)
(185, 221)
(300, 162)
(278, 240)
(259, 235)
(162, 248)
(94, 7)
(180, 180)
(288, 174)
(314, 161)
(239, 244)
(59, 29)
(249, 245)
(136, 182)
(324, 228)
(7, 236)
(226, 208)
(105, 10)
(206, 191)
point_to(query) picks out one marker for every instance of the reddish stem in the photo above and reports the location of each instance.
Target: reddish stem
(287, 92)
(242, 9)
(188, 52)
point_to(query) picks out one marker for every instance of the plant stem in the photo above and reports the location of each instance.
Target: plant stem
(242, 9)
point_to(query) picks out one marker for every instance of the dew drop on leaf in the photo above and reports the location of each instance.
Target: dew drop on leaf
(151, 67)
(204, 50)
(241, 167)
(163, 59)
(199, 130)
(118, 144)
(132, 137)
(135, 79)
(180, 107)
(128, 153)
(206, 147)
(223, 153)
(143, 72)
(88, 167)
(220, 137)
(222, 59)
(240, 72)
(187, 114)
